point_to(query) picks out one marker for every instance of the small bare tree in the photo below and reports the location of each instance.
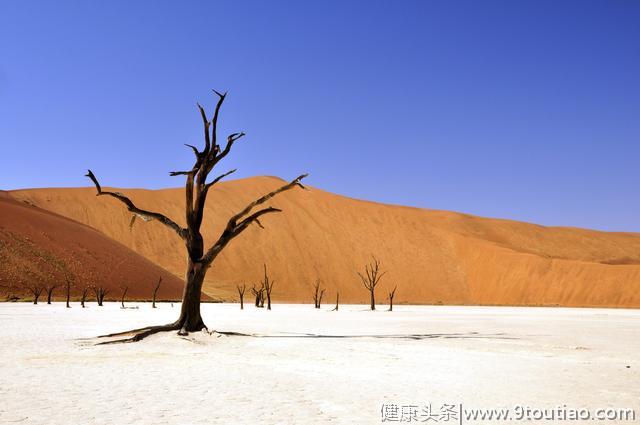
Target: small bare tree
(50, 289)
(155, 292)
(268, 286)
(100, 292)
(318, 293)
(241, 290)
(259, 295)
(36, 291)
(391, 295)
(124, 294)
(83, 298)
(68, 286)
(370, 279)
(337, 299)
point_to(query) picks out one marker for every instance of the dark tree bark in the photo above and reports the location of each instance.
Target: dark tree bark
(83, 298)
(196, 190)
(50, 292)
(268, 286)
(241, 290)
(370, 279)
(100, 293)
(391, 295)
(318, 293)
(68, 283)
(124, 294)
(36, 291)
(337, 299)
(155, 292)
(258, 293)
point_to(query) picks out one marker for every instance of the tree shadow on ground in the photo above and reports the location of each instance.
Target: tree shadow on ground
(414, 336)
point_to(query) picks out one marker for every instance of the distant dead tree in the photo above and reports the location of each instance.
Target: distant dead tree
(83, 298)
(268, 286)
(317, 294)
(370, 279)
(68, 287)
(124, 294)
(100, 292)
(155, 292)
(258, 293)
(241, 290)
(391, 295)
(196, 190)
(337, 299)
(36, 291)
(50, 289)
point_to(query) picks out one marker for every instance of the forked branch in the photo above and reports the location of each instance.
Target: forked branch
(235, 227)
(138, 211)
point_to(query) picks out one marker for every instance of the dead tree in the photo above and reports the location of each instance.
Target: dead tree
(337, 298)
(155, 292)
(83, 298)
(124, 294)
(241, 290)
(371, 278)
(317, 294)
(36, 291)
(391, 295)
(196, 189)
(68, 285)
(268, 286)
(100, 292)
(50, 292)
(259, 295)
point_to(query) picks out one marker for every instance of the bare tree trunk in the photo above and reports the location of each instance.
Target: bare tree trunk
(36, 291)
(267, 285)
(50, 293)
(371, 278)
(190, 319)
(101, 293)
(155, 292)
(391, 295)
(337, 298)
(124, 294)
(85, 292)
(241, 290)
(68, 293)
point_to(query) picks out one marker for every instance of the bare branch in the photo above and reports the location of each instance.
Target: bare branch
(295, 182)
(206, 124)
(131, 207)
(220, 177)
(195, 150)
(234, 228)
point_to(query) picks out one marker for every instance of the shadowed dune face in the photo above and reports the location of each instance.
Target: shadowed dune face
(433, 256)
(38, 246)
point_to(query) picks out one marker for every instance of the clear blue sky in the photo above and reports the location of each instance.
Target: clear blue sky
(514, 109)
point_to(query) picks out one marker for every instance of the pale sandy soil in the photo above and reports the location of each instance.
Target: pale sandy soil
(479, 356)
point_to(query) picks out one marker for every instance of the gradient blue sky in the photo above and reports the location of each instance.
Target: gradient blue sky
(514, 109)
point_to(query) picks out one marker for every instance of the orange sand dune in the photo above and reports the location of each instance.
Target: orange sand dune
(433, 256)
(38, 246)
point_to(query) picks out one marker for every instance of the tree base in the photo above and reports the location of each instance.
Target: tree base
(135, 335)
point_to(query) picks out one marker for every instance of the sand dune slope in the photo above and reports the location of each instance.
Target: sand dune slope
(38, 246)
(433, 256)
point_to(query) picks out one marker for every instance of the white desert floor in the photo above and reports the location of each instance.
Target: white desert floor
(480, 357)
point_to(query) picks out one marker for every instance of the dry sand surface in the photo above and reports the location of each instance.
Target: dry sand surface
(37, 246)
(482, 357)
(433, 256)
